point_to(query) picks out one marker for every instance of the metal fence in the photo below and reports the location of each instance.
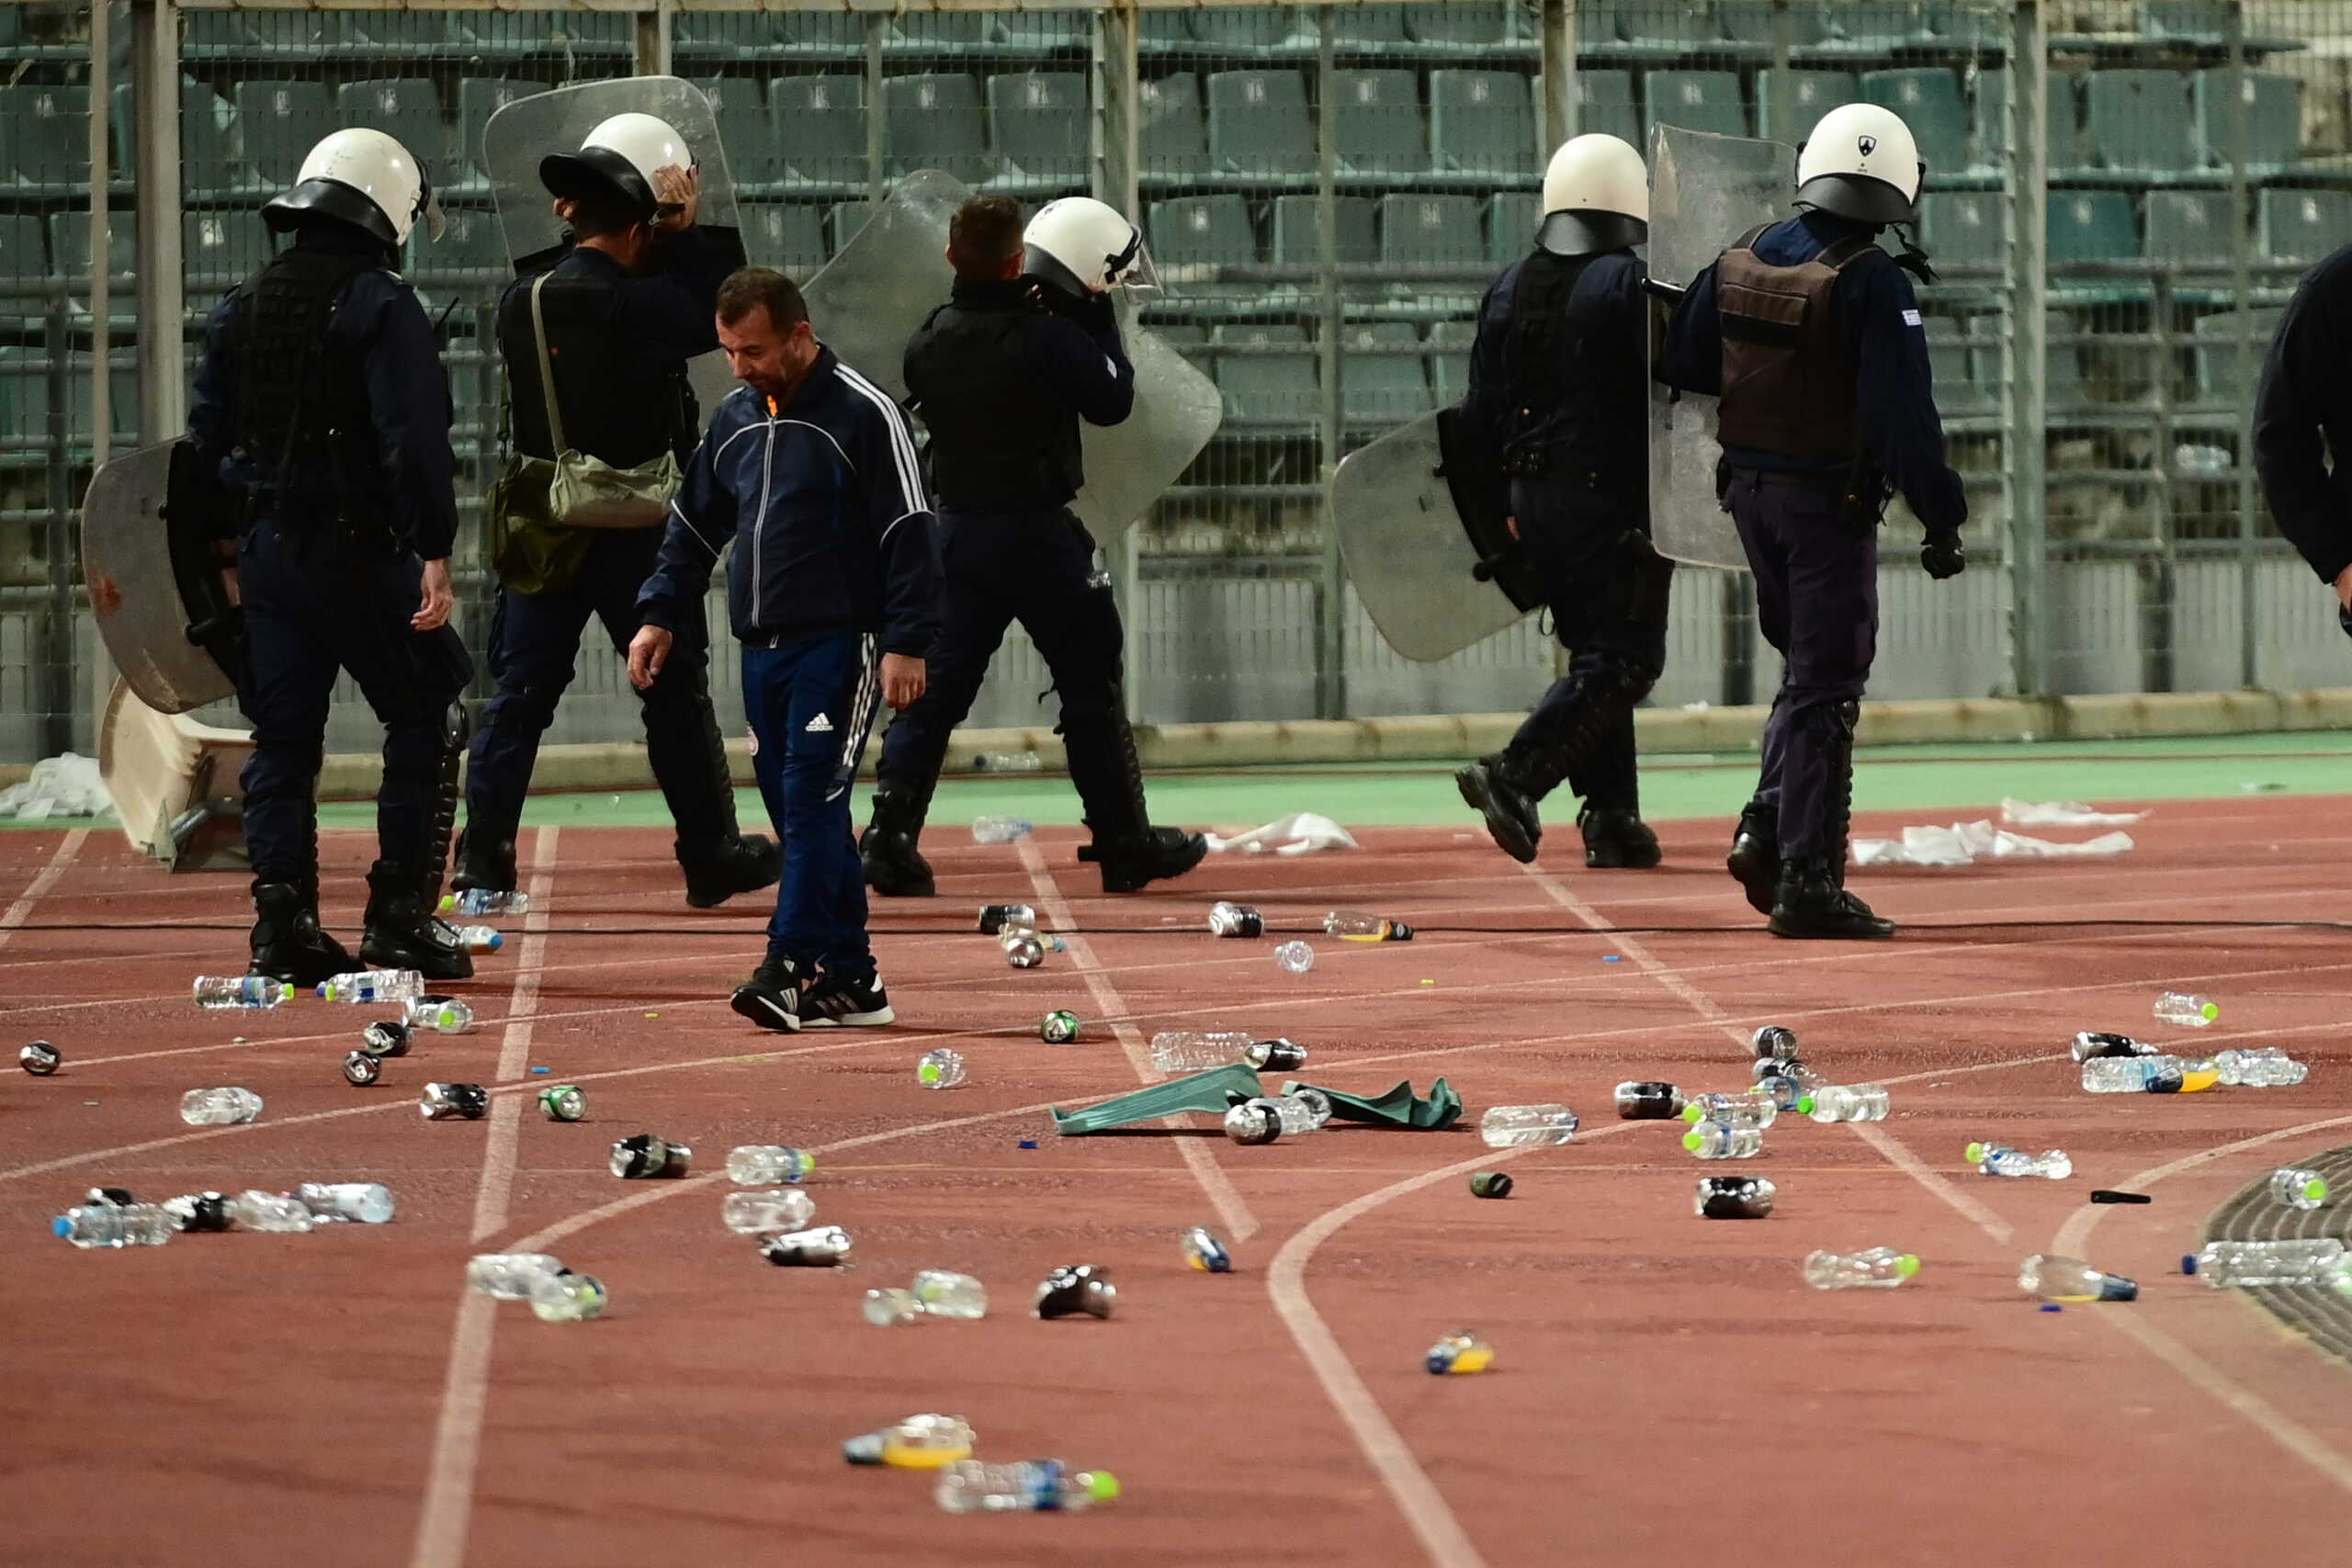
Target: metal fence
(2121, 193)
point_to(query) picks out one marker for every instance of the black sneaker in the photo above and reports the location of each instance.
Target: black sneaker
(748, 862)
(771, 998)
(833, 1002)
(1511, 820)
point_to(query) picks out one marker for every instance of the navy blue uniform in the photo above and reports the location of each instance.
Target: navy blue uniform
(2303, 419)
(622, 342)
(1562, 403)
(335, 525)
(822, 499)
(1815, 568)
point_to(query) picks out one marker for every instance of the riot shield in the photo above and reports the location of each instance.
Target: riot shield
(1705, 191)
(527, 129)
(868, 301)
(1424, 543)
(154, 579)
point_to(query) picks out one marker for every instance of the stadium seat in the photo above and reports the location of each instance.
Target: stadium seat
(1789, 102)
(23, 254)
(406, 108)
(1928, 98)
(2216, 351)
(1037, 126)
(599, 36)
(1755, 21)
(1267, 389)
(207, 171)
(762, 36)
(1449, 346)
(2092, 226)
(2274, 120)
(1876, 24)
(1250, 30)
(746, 129)
(1200, 231)
(45, 139)
(1379, 128)
(1170, 140)
(24, 396)
(1259, 123)
(1962, 228)
(2202, 21)
(2192, 226)
(474, 242)
(1424, 231)
(217, 35)
(936, 33)
(2303, 225)
(1960, 389)
(1161, 31)
(479, 97)
(1695, 101)
(1038, 33)
(1483, 122)
(69, 244)
(1371, 29)
(1468, 27)
(2137, 122)
(933, 122)
(1381, 378)
(1355, 220)
(820, 125)
(218, 249)
(1512, 217)
(787, 235)
(2062, 123)
(1606, 105)
(278, 123)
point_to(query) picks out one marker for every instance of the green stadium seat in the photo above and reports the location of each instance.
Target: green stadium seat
(1606, 105)
(937, 33)
(2137, 122)
(1172, 141)
(1756, 21)
(1927, 97)
(1200, 231)
(1037, 126)
(1280, 387)
(45, 139)
(473, 242)
(24, 255)
(69, 244)
(1260, 124)
(762, 36)
(1695, 101)
(216, 34)
(278, 123)
(2274, 120)
(1031, 32)
(220, 250)
(2092, 226)
(1449, 345)
(1960, 389)
(570, 37)
(1512, 217)
(820, 126)
(1468, 27)
(1962, 228)
(1379, 128)
(1355, 221)
(1423, 230)
(407, 109)
(24, 396)
(1161, 31)
(2215, 353)
(208, 171)
(1383, 379)
(932, 121)
(1482, 122)
(2063, 390)
(2192, 226)
(1372, 28)
(2303, 225)
(1876, 24)
(746, 129)
(2202, 21)
(1252, 31)
(2062, 123)
(479, 97)
(787, 235)
(1788, 103)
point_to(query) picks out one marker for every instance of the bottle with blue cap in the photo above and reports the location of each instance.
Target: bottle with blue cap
(1029, 1485)
(114, 1224)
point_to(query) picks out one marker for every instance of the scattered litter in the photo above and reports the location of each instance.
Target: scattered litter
(1027, 1143)
(1294, 957)
(39, 1058)
(1754, 1108)
(1046, 941)
(1734, 1197)
(562, 1102)
(1000, 830)
(827, 1247)
(1846, 1103)
(766, 1214)
(1354, 925)
(2147, 1075)
(918, 1442)
(1215, 1091)
(646, 1155)
(384, 1038)
(940, 1069)
(2185, 1010)
(1204, 1251)
(1077, 1289)
(2049, 1306)
(1399, 1107)
(768, 1165)
(2109, 1195)
(2055, 1279)
(1527, 1126)
(1787, 1082)
(2265, 1067)
(1719, 1140)
(994, 917)
(1266, 1118)
(270, 1213)
(1490, 1184)
(64, 786)
(360, 1069)
(1192, 1051)
(2298, 1188)
(444, 1015)
(217, 992)
(1999, 1159)
(219, 1107)
(1300, 833)
(198, 1211)
(1964, 842)
(1040, 1485)
(1428, 982)
(936, 1293)
(478, 939)
(114, 1224)
(373, 985)
(566, 1297)
(1612, 958)
(452, 1101)
(1877, 1268)
(1235, 919)
(1772, 1040)
(1023, 951)
(1058, 1027)
(347, 1203)
(2063, 813)
(1648, 1101)
(476, 902)
(542, 1069)
(2090, 1045)
(1459, 1354)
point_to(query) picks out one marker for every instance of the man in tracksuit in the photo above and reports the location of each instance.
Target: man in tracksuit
(810, 470)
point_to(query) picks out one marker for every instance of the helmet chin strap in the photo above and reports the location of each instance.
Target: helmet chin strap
(1913, 260)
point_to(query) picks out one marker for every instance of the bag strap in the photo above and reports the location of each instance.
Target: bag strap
(547, 367)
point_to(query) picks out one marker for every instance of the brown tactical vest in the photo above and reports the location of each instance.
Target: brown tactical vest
(1786, 386)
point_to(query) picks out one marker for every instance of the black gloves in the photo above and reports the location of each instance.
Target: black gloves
(1942, 555)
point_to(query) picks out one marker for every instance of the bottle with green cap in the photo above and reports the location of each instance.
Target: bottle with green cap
(1754, 1108)
(1876, 1268)
(1717, 1140)
(1029, 1485)
(2185, 1011)
(1845, 1102)
(2299, 1189)
(1999, 1159)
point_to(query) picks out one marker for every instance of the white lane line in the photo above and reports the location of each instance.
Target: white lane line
(43, 880)
(1223, 1196)
(497, 1185)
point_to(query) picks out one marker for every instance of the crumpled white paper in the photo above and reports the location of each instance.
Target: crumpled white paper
(1964, 842)
(2063, 813)
(1300, 833)
(67, 785)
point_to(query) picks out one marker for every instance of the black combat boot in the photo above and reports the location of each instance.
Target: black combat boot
(402, 933)
(287, 941)
(1129, 864)
(1617, 839)
(1129, 851)
(485, 860)
(1501, 789)
(894, 867)
(743, 863)
(1812, 902)
(1754, 858)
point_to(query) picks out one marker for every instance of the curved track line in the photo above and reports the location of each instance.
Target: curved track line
(43, 880)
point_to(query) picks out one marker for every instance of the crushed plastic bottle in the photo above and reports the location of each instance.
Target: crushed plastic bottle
(2050, 1278)
(446, 1015)
(219, 1107)
(1876, 1268)
(1227, 919)
(760, 1213)
(1029, 1485)
(1317, 1103)
(1196, 1051)
(253, 1210)
(768, 1165)
(1294, 957)
(373, 985)
(940, 1069)
(1774, 1040)
(1718, 1140)
(217, 992)
(1846, 1103)
(475, 903)
(995, 918)
(1787, 1082)
(478, 939)
(507, 1276)
(1648, 1100)
(566, 1297)
(2246, 1264)
(826, 1246)
(2147, 1075)
(646, 1155)
(1353, 925)
(1203, 1251)
(1527, 1126)
(1733, 1197)
(2268, 1067)
(115, 1224)
(944, 1293)
(1752, 1108)
(1999, 1159)
(385, 1037)
(2184, 1009)
(2299, 1189)
(2089, 1045)
(1457, 1354)
(359, 1203)
(1000, 830)
(1267, 1119)
(1045, 942)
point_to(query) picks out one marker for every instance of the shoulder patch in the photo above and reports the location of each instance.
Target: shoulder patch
(1911, 318)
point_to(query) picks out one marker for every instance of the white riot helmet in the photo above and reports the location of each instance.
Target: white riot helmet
(1862, 162)
(1596, 198)
(619, 157)
(363, 178)
(1083, 247)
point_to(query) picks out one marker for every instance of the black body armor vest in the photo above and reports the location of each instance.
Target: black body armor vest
(302, 422)
(998, 442)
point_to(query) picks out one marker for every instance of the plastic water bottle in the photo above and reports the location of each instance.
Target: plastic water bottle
(940, 1069)
(995, 918)
(219, 1107)
(887, 1308)
(364, 1203)
(1000, 830)
(1999, 1159)
(2147, 1075)
(1787, 1082)
(1008, 762)
(1353, 925)
(1718, 1140)
(2050, 1278)
(1876, 1268)
(2252, 1263)
(944, 1293)
(1317, 1103)
(1846, 1103)
(1029, 1485)
(1752, 1108)
(566, 1297)
(1196, 1051)
(374, 985)
(768, 1165)
(2090, 1044)
(2299, 1189)
(757, 1214)
(217, 992)
(1527, 1126)
(253, 1210)
(115, 1224)
(1267, 1119)
(476, 902)
(2268, 1067)
(2184, 1011)
(478, 939)
(507, 1276)
(1294, 957)
(1648, 1100)
(446, 1015)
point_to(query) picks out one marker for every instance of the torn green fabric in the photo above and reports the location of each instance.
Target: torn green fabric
(1397, 1108)
(1218, 1090)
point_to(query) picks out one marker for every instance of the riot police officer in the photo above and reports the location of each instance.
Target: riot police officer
(621, 311)
(2302, 425)
(1558, 402)
(1026, 347)
(323, 409)
(1811, 335)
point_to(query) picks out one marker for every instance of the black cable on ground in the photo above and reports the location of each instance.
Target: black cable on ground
(713, 929)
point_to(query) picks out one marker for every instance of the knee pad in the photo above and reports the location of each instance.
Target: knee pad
(457, 725)
(1830, 723)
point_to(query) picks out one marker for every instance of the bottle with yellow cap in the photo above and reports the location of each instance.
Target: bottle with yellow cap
(1460, 1353)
